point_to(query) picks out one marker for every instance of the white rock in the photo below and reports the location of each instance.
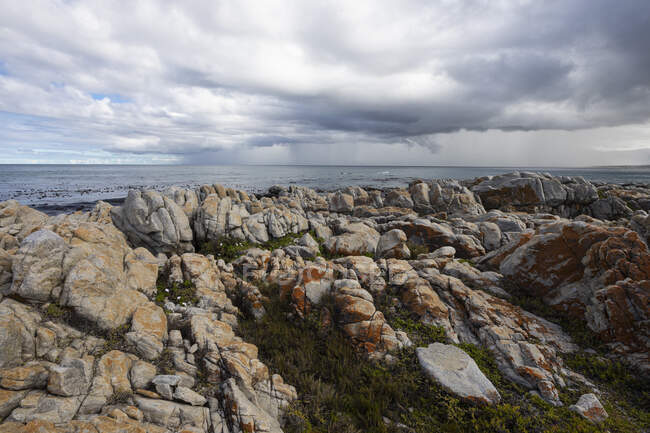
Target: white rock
(457, 372)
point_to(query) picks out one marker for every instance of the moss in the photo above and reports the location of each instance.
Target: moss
(341, 392)
(184, 293)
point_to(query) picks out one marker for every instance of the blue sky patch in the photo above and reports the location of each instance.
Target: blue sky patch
(114, 97)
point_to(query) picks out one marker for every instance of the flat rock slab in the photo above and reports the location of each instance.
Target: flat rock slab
(457, 372)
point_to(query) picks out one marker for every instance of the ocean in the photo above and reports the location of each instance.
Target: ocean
(58, 188)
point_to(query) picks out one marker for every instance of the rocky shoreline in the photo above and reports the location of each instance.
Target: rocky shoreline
(133, 316)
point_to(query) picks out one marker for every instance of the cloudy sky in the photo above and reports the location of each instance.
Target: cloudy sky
(465, 82)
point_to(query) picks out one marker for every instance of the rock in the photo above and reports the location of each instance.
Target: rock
(444, 195)
(366, 271)
(166, 379)
(96, 278)
(141, 271)
(154, 221)
(361, 321)
(596, 274)
(31, 375)
(142, 374)
(491, 235)
(457, 372)
(398, 198)
(9, 400)
(16, 340)
(19, 221)
(148, 330)
(535, 192)
(340, 202)
(37, 266)
(357, 239)
(590, 408)
(186, 395)
(244, 415)
(47, 408)
(435, 235)
(610, 208)
(392, 244)
(173, 415)
(72, 377)
(111, 377)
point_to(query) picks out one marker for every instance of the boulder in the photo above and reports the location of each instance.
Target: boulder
(436, 234)
(392, 244)
(399, 198)
(72, 377)
(19, 221)
(444, 195)
(31, 375)
(589, 407)
(356, 239)
(457, 372)
(148, 330)
(341, 202)
(37, 266)
(596, 274)
(155, 222)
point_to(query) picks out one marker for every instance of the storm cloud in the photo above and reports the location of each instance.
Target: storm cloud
(333, 82)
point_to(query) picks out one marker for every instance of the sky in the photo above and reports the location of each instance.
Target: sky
(409, 82)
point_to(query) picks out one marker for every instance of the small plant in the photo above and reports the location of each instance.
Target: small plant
(165, 362)
(56, 312)
(417, 249)
(114, 340)
(120, 396)
(467, 262)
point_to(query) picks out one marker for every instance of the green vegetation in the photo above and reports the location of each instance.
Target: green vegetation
(184, 293)
(417, 249)
(339, 392)
(56, 312)
(229, 249)
(627, 392)
(468, 262)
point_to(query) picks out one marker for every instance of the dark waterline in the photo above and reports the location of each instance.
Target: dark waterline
(57, 188)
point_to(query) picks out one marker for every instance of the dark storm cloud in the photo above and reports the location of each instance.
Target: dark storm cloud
(193, 78)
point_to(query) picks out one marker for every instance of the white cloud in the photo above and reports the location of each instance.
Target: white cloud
(289, 80)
